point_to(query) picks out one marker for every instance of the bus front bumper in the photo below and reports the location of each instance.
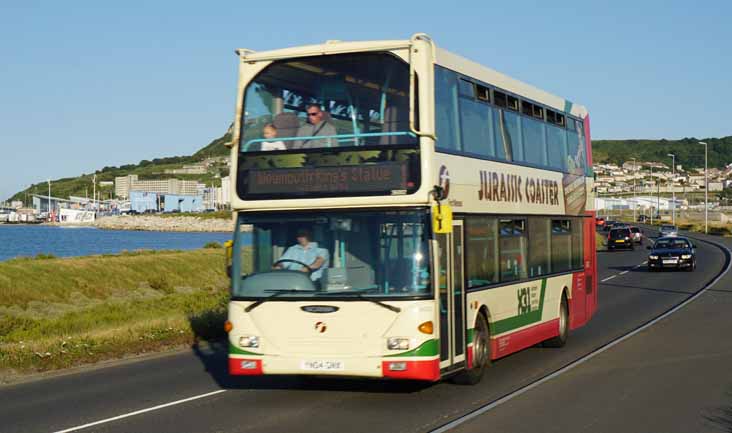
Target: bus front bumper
(394, 368)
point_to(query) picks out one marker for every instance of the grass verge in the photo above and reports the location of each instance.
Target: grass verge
(58, 313)
(600, 242)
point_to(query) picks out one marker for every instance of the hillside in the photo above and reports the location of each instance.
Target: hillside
(81, 185)
(689, 153)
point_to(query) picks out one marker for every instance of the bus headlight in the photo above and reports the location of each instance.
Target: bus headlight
(686, 256)
(249, 341)
(653, 257)
(397, 343)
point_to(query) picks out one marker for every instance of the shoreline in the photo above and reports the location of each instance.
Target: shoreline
(185, 224)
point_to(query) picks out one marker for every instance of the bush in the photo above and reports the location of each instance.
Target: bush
(160, 283)
(213, 245)
(45, 256)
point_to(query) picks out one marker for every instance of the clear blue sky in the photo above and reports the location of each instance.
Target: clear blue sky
(84, 84)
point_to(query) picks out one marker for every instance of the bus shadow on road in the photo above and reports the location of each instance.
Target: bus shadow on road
(214, 358)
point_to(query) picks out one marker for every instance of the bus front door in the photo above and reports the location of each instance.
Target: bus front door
(450, 276)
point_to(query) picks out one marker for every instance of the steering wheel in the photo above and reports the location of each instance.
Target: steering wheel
(310, 270)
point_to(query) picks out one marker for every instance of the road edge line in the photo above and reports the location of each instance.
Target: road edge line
(141, 411)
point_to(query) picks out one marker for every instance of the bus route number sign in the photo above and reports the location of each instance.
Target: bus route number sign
(356, 178)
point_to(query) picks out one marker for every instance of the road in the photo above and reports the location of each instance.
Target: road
(610, 392)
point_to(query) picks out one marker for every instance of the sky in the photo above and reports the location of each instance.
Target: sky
(88, 84)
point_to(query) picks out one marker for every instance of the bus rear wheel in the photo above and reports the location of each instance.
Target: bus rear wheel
(561, 339)
(481, 354)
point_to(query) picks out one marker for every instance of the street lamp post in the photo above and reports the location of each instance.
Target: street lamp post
(49, 199)
(673, 189)
(635, 200)
(651, 196)
(706, 188)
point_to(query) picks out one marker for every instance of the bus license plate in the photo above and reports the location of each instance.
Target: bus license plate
(322, 365)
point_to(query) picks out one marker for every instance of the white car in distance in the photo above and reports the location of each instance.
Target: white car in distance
(668, 230)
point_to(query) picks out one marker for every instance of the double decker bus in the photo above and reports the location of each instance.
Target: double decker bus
(402, 212)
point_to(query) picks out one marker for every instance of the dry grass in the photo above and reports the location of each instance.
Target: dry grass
(56, 313)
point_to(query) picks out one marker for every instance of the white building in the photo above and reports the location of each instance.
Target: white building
(124, 184)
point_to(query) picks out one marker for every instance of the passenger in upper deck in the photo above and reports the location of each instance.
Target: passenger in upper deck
(317, 127)
(270, 132)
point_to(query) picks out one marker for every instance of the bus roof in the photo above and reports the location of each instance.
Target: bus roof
(443, 58)
(489, 76)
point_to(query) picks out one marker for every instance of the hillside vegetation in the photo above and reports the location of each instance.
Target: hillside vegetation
(689, 153)
(81, 186)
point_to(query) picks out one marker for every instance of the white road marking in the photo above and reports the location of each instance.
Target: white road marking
(492, 405)
(623, 273)
(608, 278)
(141, 411)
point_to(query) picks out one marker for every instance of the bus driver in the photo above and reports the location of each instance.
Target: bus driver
(307, 252)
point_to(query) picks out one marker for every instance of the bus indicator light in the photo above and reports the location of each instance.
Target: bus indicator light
(228, 326)
(426, 327)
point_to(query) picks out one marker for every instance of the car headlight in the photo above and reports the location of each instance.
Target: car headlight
(249, 341)
(686, 256)
(653, 257)
(397, 343)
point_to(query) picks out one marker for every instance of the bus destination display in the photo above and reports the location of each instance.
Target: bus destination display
(379, 177)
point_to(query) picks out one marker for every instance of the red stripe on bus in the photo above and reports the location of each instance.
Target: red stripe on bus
(519, 340)
(235, 367)
(418, 370)
(470, 357)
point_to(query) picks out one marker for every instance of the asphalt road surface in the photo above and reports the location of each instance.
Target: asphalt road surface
(674, 376)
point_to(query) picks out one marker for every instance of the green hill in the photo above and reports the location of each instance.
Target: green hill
(81, 185)
(689, 153)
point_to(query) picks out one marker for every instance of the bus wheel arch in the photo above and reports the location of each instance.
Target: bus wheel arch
(481, 351)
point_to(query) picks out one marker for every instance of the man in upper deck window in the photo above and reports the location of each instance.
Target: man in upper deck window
(317, 126)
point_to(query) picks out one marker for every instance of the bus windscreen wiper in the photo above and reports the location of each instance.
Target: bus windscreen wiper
(365, 298)
(273, 295)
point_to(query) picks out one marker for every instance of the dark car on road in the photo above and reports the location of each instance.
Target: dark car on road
(619, 238)
(672, 253)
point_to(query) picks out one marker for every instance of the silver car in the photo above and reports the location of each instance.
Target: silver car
(668, 230)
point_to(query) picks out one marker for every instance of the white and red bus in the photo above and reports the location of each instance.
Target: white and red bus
(403, 212)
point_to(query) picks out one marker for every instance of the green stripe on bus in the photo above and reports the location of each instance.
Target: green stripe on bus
(233, 350)
(501, 326)
(471, 334)
(428, 348)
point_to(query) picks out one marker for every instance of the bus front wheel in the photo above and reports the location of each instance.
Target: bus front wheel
(481, 354)
(561, 339)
